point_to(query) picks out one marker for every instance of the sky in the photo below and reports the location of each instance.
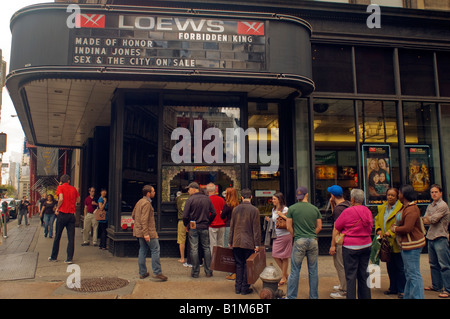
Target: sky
(10, 125)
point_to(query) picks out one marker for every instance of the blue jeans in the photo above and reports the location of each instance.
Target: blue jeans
(310, 248)
(439, 257)
(48, 224)
(414, 283)
(144, 245)
(196, 237)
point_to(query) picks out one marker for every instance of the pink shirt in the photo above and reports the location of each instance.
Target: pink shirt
(360, 234)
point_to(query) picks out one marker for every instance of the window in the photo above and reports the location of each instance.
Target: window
(374, 70)
(335, 149)
(416, 72)
(422, 147)
(332, 68)
(443, 65)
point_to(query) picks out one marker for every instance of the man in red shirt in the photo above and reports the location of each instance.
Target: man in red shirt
(68, 198)
(217, 227)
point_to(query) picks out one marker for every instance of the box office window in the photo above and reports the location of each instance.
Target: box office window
(416, 72)
(443, 65)
(422, 147)
(332, 68)
(374, 70)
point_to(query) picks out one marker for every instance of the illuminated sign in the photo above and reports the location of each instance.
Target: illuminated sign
(168, 42)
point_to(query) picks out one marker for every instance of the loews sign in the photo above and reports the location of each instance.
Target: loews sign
(170, 42)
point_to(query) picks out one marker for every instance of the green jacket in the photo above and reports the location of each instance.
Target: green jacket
(379, 224)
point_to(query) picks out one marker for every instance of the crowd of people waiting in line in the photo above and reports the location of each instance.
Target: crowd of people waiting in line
(207, 220)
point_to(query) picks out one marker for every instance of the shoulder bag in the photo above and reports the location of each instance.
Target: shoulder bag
(99, 214)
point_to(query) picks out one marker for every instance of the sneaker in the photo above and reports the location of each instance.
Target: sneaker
(187, 265)
(85, 244)
(231, 277)
(68, 261)
(338, 295)
(51, 259)
(337, 288)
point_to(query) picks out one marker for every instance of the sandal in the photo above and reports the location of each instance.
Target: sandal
(444, 295)
(282, 282)
(430, 289)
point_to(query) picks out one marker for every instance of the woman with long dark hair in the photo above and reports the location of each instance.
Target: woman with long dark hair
(411, 238)
(282, 245)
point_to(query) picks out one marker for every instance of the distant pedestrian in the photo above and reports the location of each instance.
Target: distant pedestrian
(47, 213)
(410, 233)
(145, 231)
(23, 211)
(338, 205)
(244, 238)
(356, 223)
(304, 223)
(198, 214)
(437, 216)
(103, 224)
(68, 198)
(89, 219)
(217, 227)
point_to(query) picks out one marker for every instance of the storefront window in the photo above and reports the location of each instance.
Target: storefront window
(176, 178)
(264, 174)
(195, 143)
(422, 148)
(335, 143)
(140, 149)
(445, 131)
(302, 143)
(379, 139)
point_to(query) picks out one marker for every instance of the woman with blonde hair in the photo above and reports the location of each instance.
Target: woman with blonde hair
(231, 201)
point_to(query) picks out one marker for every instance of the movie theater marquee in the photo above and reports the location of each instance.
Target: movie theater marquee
(168, 42)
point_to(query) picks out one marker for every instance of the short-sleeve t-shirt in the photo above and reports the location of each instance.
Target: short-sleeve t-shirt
(70, 195)
(304, 217)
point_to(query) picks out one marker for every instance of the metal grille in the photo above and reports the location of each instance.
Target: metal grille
(101, 284)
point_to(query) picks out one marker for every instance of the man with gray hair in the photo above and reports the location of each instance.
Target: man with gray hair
(356, 223)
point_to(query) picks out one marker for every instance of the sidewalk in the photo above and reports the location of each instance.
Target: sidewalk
(26, 273)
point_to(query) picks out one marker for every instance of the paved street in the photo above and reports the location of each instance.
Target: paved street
(26, 273)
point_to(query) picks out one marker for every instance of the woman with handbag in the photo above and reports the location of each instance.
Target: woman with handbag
(394, 263)
(410, 234)
(282, 245)
(103, 223)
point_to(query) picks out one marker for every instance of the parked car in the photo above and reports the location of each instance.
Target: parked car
(13, 208)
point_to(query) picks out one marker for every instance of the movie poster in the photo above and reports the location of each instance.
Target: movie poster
(419, 172)
(376, 173)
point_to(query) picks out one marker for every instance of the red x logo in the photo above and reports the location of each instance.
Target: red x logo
(90, 21)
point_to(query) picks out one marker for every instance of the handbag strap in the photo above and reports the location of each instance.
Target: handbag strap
(352, 226)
